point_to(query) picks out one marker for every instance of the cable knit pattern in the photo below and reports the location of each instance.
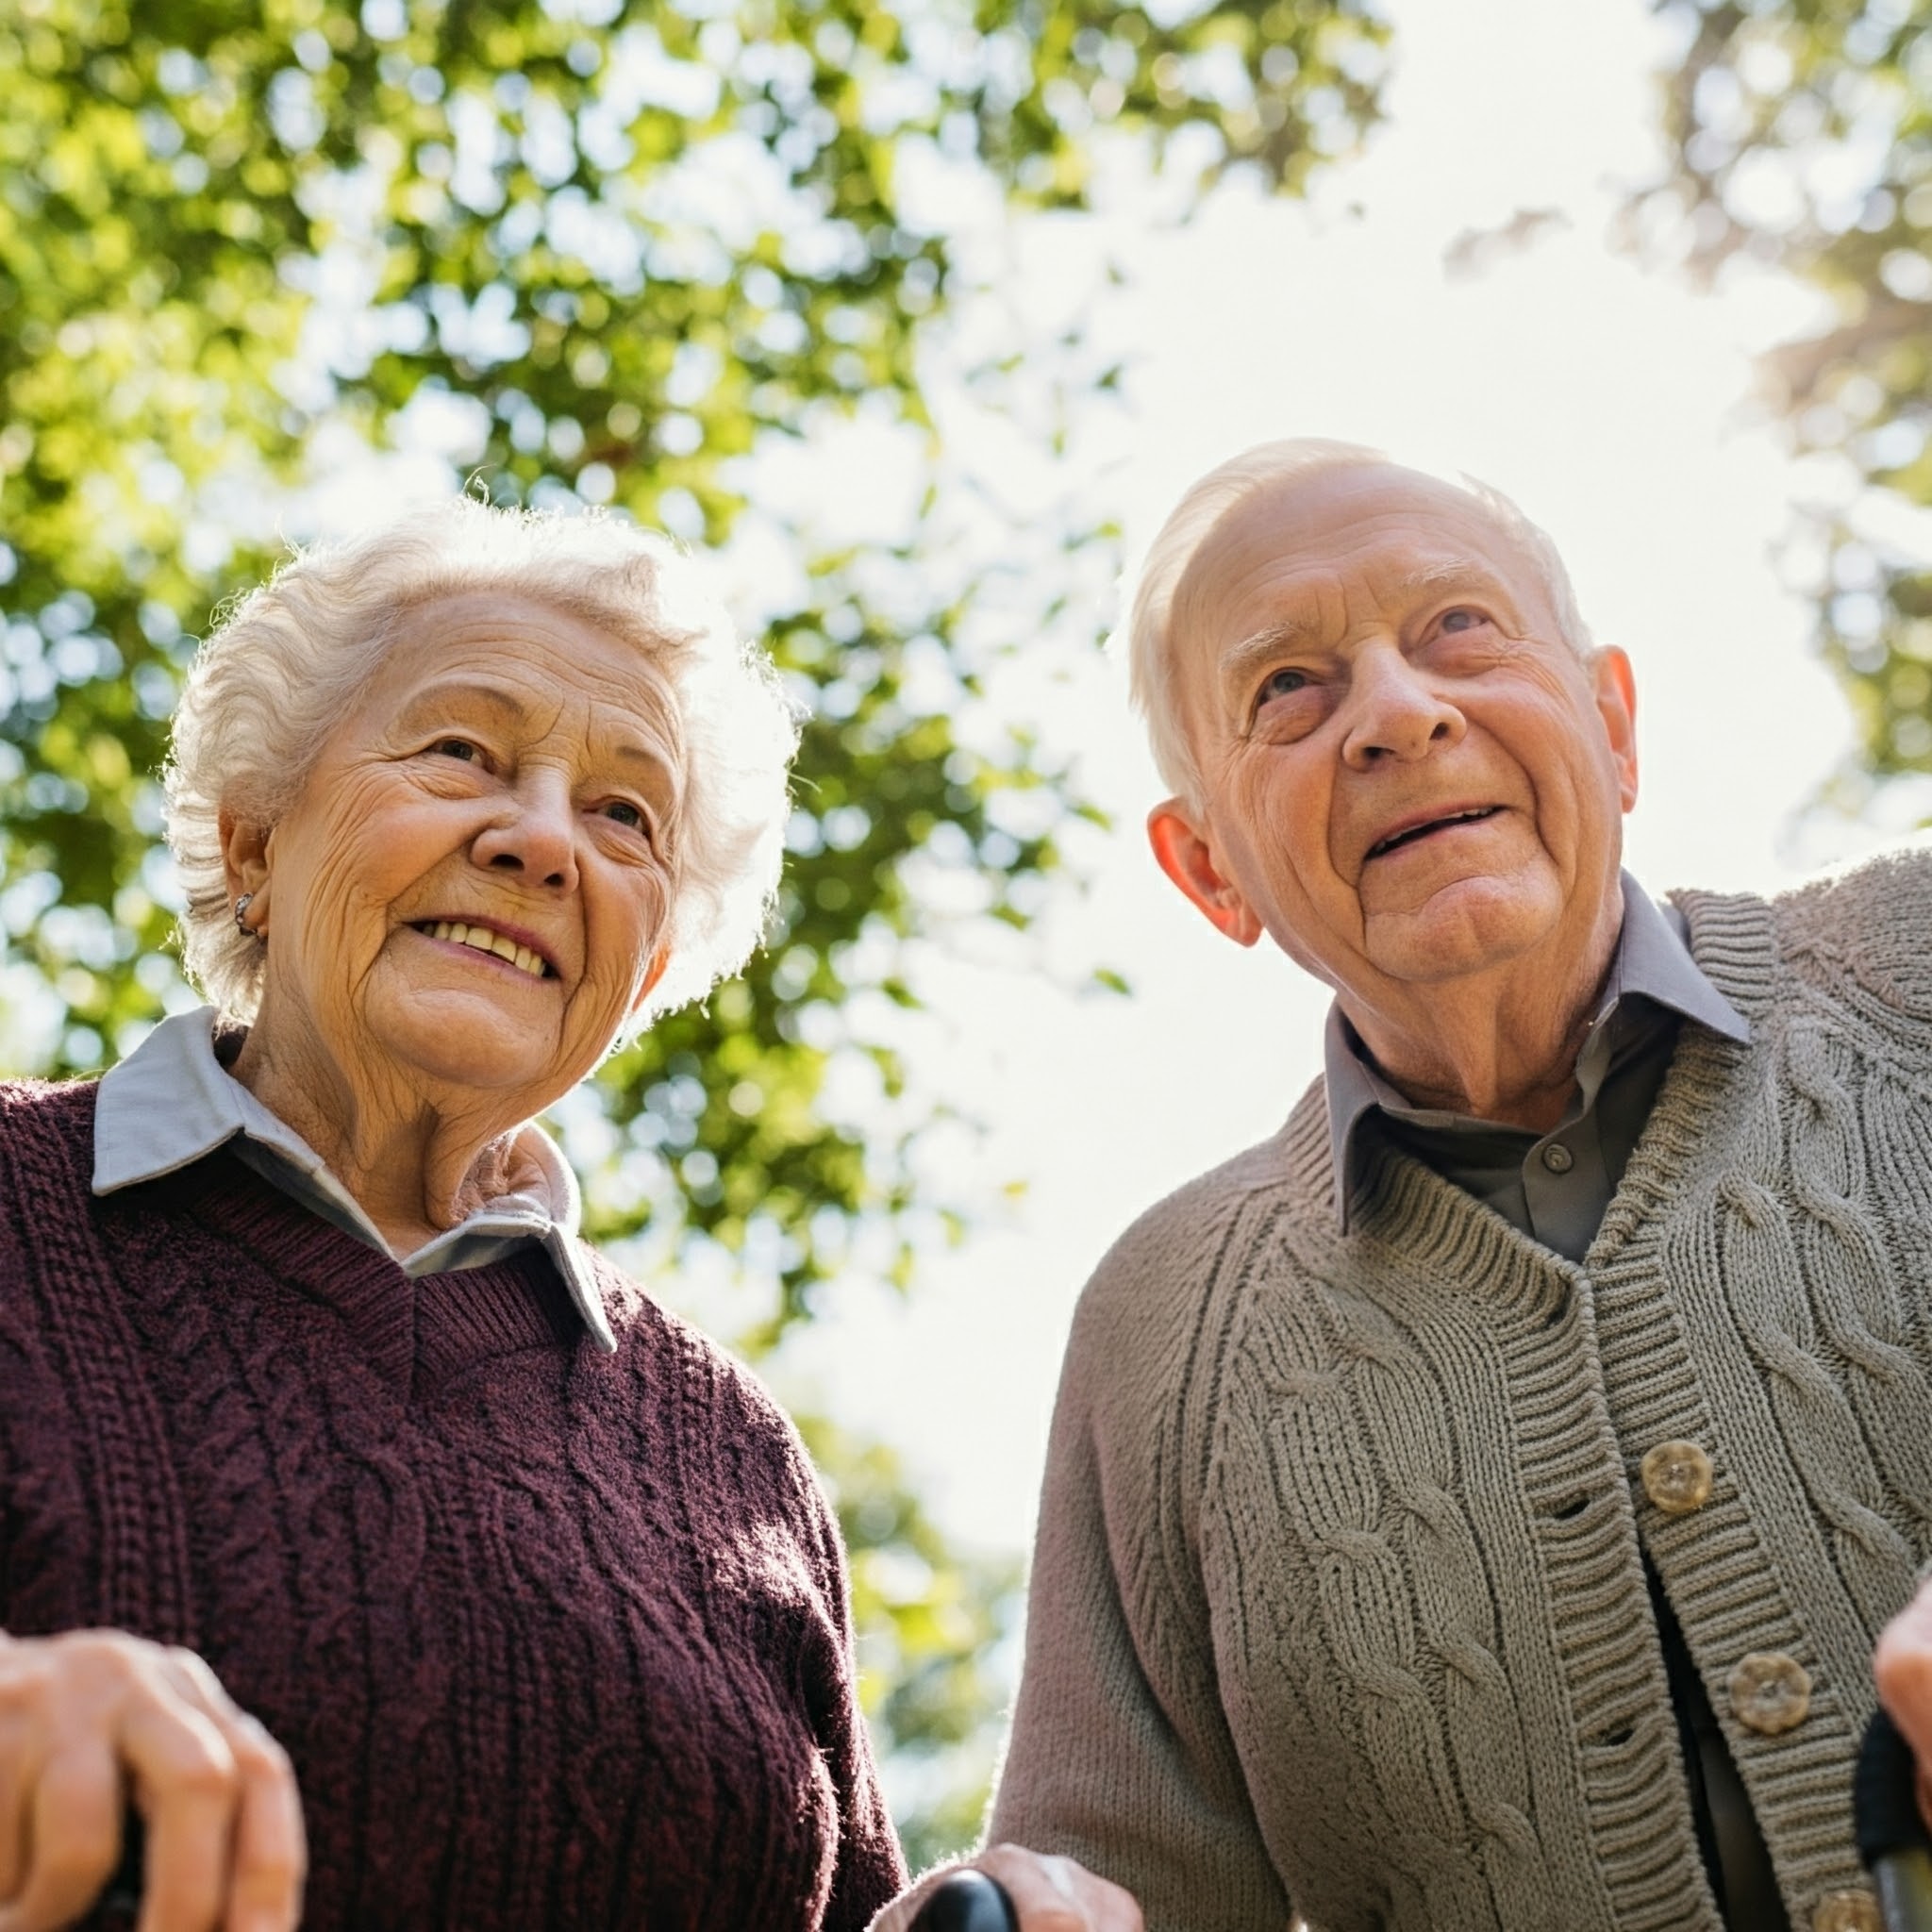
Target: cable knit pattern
(1338, 1605)
(554, 1639)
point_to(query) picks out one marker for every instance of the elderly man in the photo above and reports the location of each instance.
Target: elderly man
(1476, 1506)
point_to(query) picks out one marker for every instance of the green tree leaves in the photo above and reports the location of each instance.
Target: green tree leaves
(1801, 134)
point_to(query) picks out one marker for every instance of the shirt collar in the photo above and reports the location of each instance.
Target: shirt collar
(1652, 959)
(172, 1103)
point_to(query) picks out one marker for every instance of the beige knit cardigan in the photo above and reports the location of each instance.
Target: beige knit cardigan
(1338, 1608)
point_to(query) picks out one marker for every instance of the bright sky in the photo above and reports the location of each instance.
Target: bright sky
(1613, 404)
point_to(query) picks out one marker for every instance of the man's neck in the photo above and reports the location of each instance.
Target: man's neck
(1500, 1045)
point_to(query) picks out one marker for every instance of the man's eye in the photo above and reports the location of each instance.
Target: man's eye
(1283, 683)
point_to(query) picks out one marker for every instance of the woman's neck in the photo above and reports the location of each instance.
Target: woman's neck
(414, 1168)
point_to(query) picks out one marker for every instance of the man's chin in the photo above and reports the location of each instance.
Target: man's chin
(1463, 928)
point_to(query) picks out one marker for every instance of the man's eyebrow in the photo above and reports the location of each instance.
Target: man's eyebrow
(1451, 571)
(1257, 646)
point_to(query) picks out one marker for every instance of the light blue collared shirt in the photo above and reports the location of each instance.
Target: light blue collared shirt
(172, 1103)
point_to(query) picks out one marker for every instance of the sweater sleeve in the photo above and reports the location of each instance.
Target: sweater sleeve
(1120, 1753)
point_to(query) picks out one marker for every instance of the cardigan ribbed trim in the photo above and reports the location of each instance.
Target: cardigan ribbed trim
(1338, 1601)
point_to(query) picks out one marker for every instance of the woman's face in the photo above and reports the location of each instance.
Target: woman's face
(473, 890)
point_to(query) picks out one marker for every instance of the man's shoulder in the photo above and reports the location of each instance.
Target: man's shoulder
(1158, 1275)
(1865, 927)
(1869, 923)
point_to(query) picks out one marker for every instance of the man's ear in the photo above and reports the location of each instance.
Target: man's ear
(1187, 857)
(653, 974)
(245, 859)
(1616, 704)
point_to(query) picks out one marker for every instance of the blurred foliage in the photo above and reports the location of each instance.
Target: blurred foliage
(1800, 135)
(593, 254)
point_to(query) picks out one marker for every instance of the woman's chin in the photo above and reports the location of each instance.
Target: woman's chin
(468, 1039)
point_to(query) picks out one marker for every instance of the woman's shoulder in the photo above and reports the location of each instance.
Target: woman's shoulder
(46, 1133)
(690, 1380)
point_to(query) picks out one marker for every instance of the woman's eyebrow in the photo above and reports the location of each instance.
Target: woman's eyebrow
(437, 697)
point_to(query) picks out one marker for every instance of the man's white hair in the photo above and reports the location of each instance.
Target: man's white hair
(288, 663)
(1147, 628)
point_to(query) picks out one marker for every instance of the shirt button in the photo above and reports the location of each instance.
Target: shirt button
(1770, 1692)
(1847, 1911)
(1676, 1477)
(1558, 1158)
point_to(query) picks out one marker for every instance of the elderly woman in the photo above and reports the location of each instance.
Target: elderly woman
(343, 1490)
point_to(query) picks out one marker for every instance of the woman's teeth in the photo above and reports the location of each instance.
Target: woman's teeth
(484, 941)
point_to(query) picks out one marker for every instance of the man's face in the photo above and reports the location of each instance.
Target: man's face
(1407, 776)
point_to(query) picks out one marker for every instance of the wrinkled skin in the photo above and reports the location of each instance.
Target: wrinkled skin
(1361, 652)
(509, 764)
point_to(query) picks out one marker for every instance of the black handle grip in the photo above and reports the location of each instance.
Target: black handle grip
(1892, 1838)
(967, 1901)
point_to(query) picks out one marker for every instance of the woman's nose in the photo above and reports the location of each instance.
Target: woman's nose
(1394, 713)
(534, 836)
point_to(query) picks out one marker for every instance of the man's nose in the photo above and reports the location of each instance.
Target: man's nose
(1393, 711)
(534, 834)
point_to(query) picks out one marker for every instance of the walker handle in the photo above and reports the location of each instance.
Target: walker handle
(966, 1902)
(1892, 1838)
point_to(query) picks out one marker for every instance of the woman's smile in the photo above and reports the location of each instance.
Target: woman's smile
(484, 945)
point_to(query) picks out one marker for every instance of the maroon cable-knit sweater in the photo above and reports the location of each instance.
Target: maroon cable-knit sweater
(554, 1639)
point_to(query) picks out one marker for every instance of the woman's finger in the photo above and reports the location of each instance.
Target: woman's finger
(74, 1839)
(270, 1855)
(21, 1750)
(188, 1788)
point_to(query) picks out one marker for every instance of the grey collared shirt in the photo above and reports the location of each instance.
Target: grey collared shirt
(1555, 1186)
(172, 1103)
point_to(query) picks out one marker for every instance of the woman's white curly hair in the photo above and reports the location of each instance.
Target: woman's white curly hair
(286, 663)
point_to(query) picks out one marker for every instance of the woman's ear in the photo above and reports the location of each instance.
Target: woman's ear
(653, 974)
(246, 861)
(1187, 855)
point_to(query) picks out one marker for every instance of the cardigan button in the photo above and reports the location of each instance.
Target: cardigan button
(1676, 1477)
(1847, 1911)
(1558, 1158)
(1770, 1692)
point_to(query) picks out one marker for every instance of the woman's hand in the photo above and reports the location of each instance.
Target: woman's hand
(1902, 1668)
(1049, 1894)
(93, 1718)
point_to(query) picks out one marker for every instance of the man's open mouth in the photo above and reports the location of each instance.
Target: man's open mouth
(1413, 833)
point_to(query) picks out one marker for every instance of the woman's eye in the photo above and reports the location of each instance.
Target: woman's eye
(1283, 683)
(1463, 620)
(457, 748)
(626, 813)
